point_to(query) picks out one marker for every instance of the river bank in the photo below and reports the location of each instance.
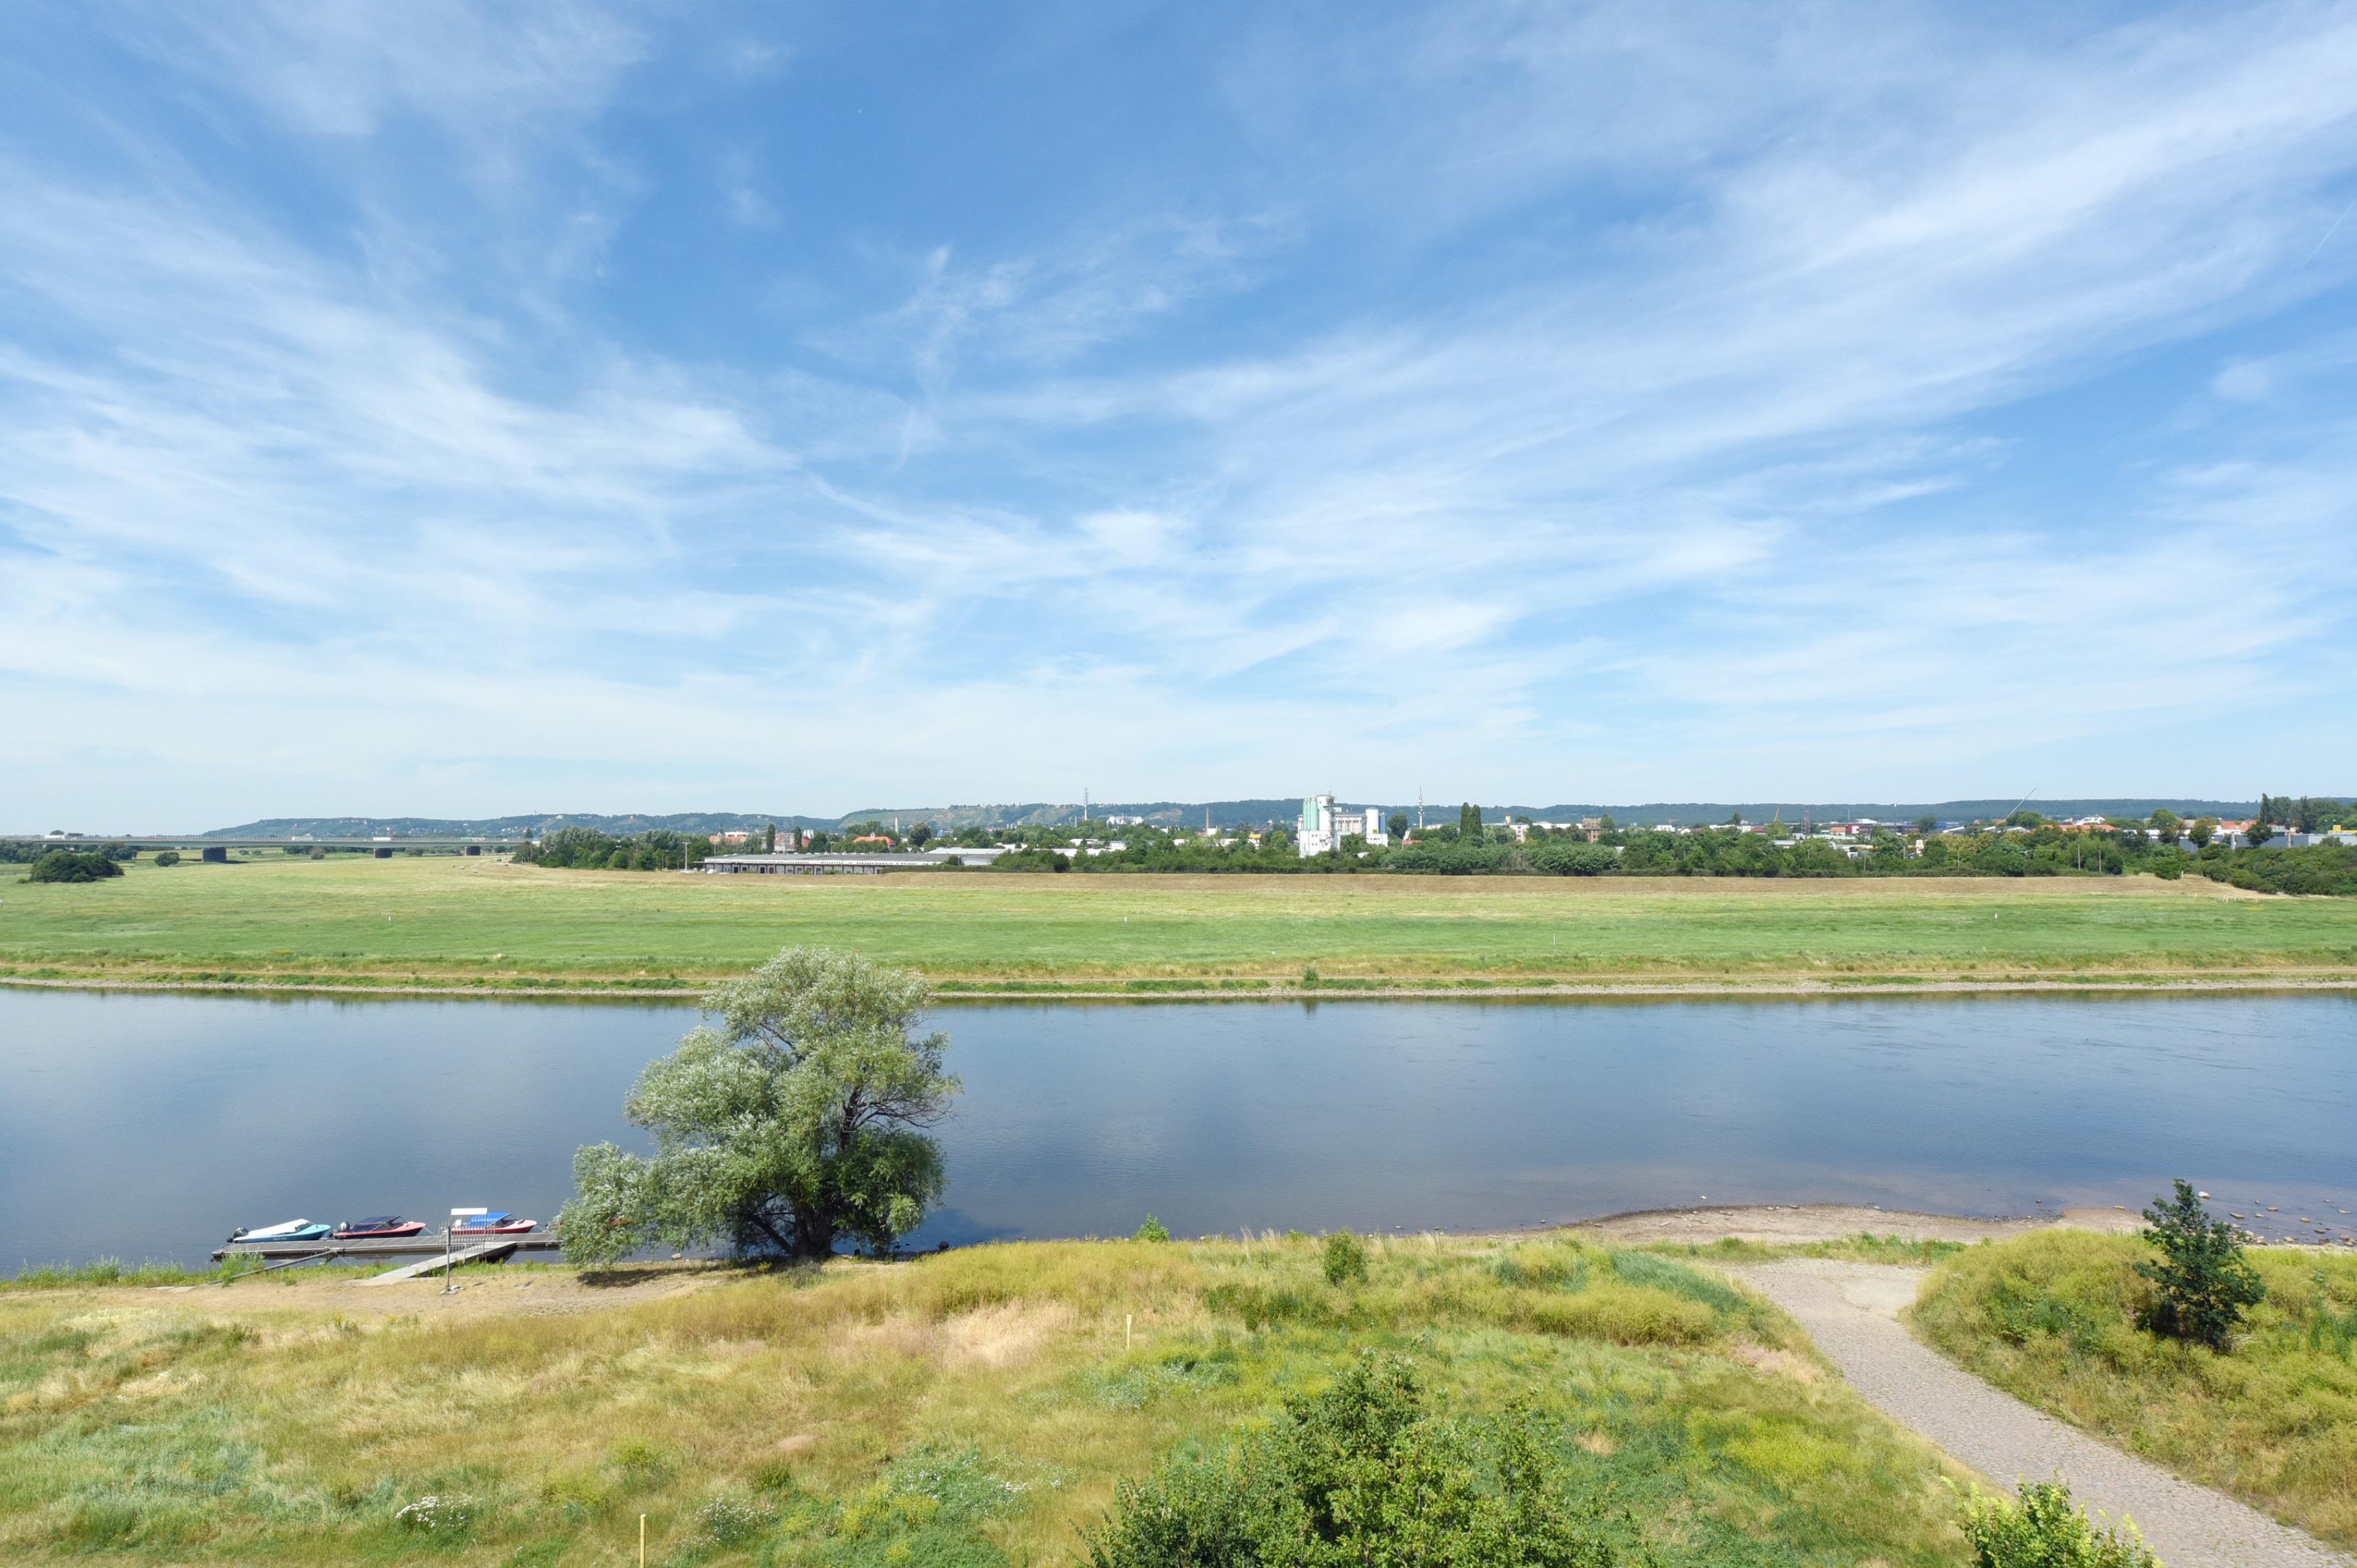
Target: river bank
(1274, 991)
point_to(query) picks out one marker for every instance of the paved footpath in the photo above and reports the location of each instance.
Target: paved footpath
(1851, 1310)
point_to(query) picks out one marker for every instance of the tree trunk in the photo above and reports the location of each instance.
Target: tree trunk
(814, 1234)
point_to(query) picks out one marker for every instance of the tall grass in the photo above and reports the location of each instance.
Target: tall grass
(115, 1271)
(971, 1408)
(2055, 1318)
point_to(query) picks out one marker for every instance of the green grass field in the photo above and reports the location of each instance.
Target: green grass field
(454, 921)
(966, 1411)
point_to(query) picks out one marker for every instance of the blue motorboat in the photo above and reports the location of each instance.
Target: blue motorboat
(287, 1230)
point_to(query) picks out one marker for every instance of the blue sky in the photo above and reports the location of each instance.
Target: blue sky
(456, 410)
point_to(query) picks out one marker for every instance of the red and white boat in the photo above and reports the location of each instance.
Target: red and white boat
(383, 1228)
(498, 1223)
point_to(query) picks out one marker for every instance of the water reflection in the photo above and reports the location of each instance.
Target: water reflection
(149, 1125)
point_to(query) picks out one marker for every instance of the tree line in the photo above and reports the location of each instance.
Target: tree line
(2024, 845)
(586, 849)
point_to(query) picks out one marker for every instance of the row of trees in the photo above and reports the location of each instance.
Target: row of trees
(1465, 849)
(30, 851)
(2024, 845)
(586, 849)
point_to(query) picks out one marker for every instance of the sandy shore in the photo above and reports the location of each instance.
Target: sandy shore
(1774, 1223)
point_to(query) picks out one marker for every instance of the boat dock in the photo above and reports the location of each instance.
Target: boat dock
(471, 1248)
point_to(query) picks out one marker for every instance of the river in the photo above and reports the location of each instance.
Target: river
(147, 1126)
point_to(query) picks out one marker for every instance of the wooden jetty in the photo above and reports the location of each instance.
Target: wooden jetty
(495, 1251)
(385, 1247)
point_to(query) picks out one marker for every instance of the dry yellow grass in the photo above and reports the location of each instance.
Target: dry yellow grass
(973, 1407)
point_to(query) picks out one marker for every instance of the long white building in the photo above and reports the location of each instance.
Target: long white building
(1324, 828)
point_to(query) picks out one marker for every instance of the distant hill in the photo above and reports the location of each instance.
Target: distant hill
(1230, 813)
(530, 824)
(1693, 812)
(1191, 814)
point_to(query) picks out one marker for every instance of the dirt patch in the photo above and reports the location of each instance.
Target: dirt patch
(1007, 1334)
(1777, 1363)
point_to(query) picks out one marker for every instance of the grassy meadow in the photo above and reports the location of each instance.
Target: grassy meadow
(444, 920)
(968, 1409)
(2051, 1318)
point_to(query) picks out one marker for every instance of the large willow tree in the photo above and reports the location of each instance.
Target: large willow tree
(794, 1124)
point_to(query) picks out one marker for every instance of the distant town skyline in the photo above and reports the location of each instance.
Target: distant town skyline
(456, 409)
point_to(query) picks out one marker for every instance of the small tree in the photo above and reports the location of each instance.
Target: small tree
(792, 1125)
(1152, 1230)
(1346, 1258)
(1468, 820)
(1398, 825)
(2202, 1283)
(167, 857)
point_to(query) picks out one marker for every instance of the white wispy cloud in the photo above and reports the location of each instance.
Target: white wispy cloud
(1586, 403)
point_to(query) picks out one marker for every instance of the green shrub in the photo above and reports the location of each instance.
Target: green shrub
(70, 865)
(1152, 1230)
(2202, 1283)
(2044, 1530)
(1346, 1258)
(167, 857)
(1360, 1474)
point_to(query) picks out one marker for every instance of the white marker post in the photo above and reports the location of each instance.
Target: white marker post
(449, 1238)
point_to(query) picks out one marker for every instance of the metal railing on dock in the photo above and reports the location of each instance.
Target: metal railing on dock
(377, 1247)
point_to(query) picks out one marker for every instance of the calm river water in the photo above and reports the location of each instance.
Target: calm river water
(147, 1126)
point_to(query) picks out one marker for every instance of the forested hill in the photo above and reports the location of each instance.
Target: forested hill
(1185, 814)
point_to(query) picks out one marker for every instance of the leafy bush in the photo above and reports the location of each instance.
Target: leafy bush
(2202, 1283)
(1152, 1230)
(167, 857)
(70, 865)
(1360, 1474)
(1346, 1258)
(2044, 1530)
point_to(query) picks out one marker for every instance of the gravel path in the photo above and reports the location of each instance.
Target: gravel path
(1851, 1310)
